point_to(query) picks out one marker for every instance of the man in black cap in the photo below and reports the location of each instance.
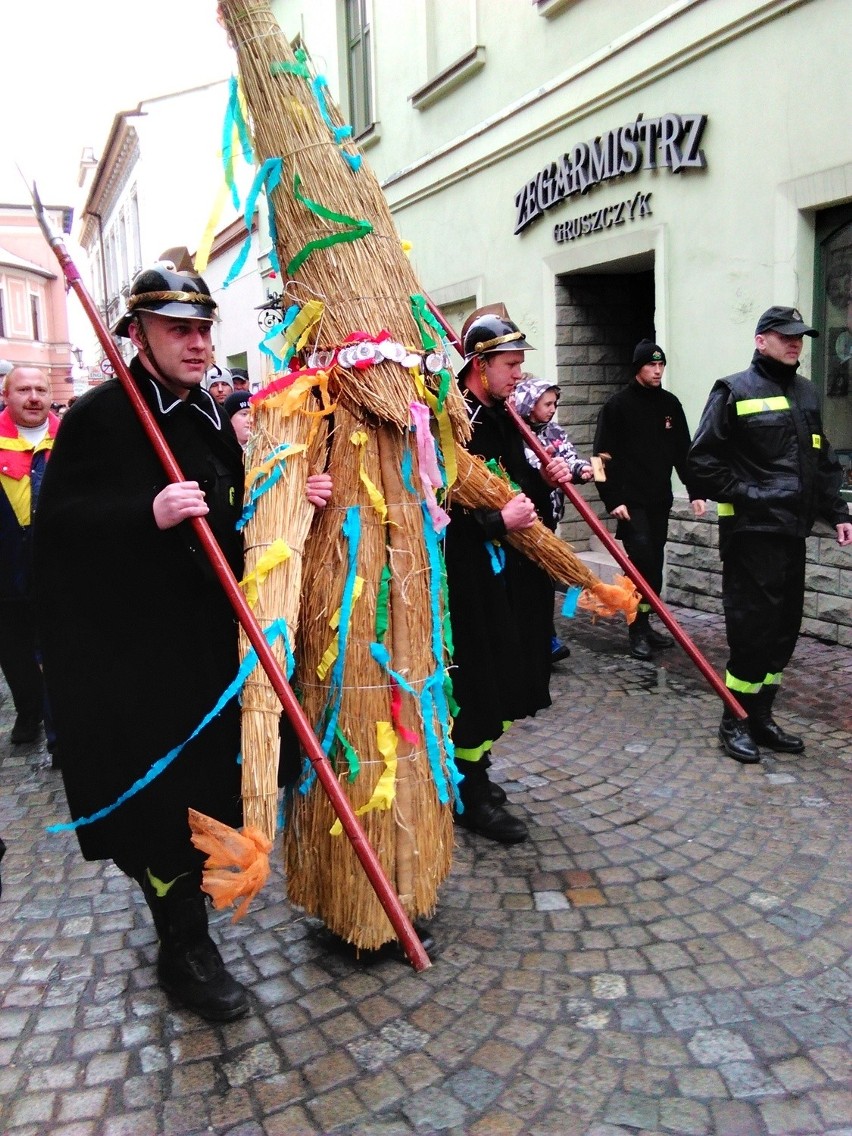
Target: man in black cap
(642, 435)
(761, 453)
(501, 604)
(139, 640)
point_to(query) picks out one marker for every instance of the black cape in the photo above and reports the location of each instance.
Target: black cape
(138, 637)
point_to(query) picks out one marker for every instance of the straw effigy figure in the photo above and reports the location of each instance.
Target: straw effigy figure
(362, 596)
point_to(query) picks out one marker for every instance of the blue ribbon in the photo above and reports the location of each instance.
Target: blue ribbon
(280, 362)
(267, 179)
(339, 133)
(434, 697)
(406, 470)
(262, 485)
(497, 555)
(569, 607)
(352, 532)
(275, 629)
(234, 117)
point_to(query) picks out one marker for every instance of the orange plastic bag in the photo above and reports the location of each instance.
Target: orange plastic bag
(237, 864)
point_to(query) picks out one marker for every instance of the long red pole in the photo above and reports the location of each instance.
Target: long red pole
(340, 803)
(613, 548)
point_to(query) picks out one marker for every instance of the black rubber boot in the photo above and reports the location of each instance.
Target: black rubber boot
(480, 814)
(496, 793)
(637, 632)
(25, 730)
(763, 727)
(658, 639)
(189, 966)
(736, 740)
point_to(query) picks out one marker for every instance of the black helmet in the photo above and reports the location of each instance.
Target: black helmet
(161, 289)
(488, 331)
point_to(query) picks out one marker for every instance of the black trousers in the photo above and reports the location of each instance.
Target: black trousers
(19, 658)
(763, 589)
(644, 537)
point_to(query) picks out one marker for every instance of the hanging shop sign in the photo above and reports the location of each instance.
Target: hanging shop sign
(672, 142)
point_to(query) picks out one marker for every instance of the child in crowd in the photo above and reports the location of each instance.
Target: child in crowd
(536, 401)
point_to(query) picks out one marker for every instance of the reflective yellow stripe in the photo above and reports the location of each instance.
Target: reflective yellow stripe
(756, 405)
(740, 686)
(816, 441)
(773, 679)
(725, 509)
(474, 753)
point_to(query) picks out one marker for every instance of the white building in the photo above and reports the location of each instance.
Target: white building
(153, 192)
(615, 170)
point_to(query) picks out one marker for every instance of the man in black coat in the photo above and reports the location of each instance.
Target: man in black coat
(139, 639)
(501, 604)
(761, 453)
(642, 434)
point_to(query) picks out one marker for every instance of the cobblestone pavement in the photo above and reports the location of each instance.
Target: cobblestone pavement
(667, 954)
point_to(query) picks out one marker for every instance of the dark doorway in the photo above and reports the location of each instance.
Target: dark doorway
(600, 317)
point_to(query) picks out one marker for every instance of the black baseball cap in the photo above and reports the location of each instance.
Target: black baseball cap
(786, 321)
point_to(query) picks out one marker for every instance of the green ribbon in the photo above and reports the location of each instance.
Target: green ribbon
(382, 604)
(424, 319)
(300, 67)
(356, 228)
(494, 466)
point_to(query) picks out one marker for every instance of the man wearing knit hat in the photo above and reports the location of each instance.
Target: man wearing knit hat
(218, 383)
(761, 453)
(642, 435)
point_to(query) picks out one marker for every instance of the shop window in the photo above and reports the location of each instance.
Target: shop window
(832, 359)
(358, 42)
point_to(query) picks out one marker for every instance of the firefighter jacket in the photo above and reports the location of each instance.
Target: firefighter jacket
(760, 452)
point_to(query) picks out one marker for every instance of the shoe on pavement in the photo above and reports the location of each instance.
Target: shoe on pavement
(196, 977)
(492, 822)
(496, 794)
(736, 740)
(658, 640)
(767, 732)
(25, 730)
(640, 646)
(558, 650)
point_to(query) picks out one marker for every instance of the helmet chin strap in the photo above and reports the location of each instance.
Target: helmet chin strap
(149, 354)
(146, 349)
(483, 377)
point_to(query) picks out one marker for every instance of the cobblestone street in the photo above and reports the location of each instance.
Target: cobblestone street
(668, 953)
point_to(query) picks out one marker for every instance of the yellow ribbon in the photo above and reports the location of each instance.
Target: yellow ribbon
(359, 438)
(295, 334)
(202, 255)
(266, 467)
(291, 397)
(276, 554)
(333, 649)
(385, 790)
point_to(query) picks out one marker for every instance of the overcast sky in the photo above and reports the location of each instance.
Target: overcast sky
(68, 68)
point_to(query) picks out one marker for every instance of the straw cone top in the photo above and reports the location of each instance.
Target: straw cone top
(334, 234)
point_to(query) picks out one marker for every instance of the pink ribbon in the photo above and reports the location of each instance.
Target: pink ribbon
(427, 461)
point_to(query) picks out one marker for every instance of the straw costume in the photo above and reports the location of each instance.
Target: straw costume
(364, 389)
